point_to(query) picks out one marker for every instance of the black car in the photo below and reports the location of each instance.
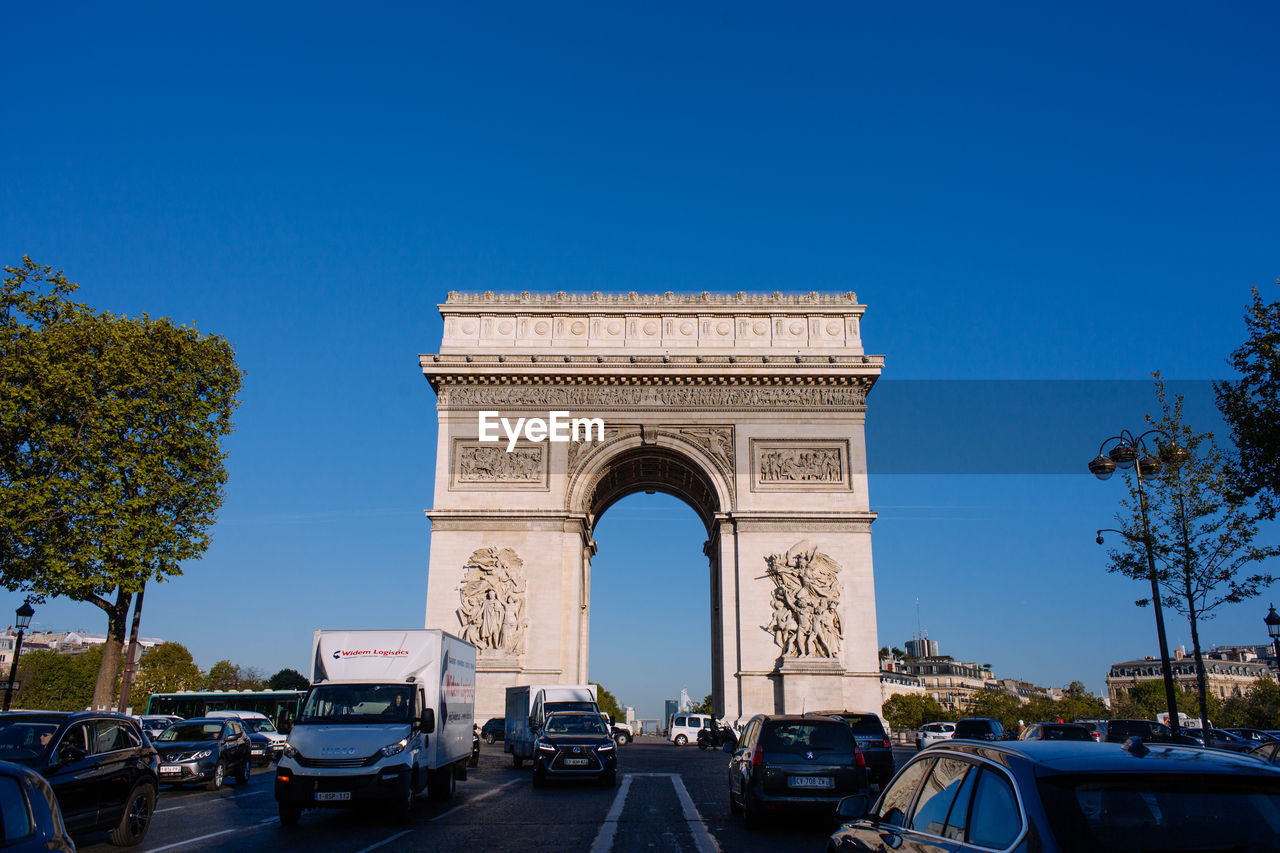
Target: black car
(1255, 736)
(495, 728)
(1120, 730)
(101, 767)
(261, 748)
(574, 744)
(872, 739)
(980, 728)
(1055, 796)
(30, 819)
(1056, 731)
(794, 763)
(1219, 739)
(1269, 752)
(204, 749)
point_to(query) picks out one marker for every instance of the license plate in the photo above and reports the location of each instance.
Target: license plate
(575, 762)
(330, 796)
(811, 782)
(256, 751)
(170, 771)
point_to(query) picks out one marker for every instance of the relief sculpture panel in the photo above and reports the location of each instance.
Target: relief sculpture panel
(806, 602)
(493, 602)
(479, 465)
(799, 465)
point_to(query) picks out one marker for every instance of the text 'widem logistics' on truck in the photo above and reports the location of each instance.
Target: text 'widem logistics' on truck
(389, 713)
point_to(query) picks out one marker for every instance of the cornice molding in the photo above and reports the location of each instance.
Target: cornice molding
(743, 299)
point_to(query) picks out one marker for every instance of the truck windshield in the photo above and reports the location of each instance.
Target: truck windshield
(571, 706)
(358, 703)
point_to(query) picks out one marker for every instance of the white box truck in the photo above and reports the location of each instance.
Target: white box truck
(527, 709)
(389, 713)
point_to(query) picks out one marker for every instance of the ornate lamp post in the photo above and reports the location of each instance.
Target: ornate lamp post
(1273, 628)
(24, 613)
(1129, 451)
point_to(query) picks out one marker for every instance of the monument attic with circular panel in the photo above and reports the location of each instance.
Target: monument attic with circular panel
(751, 408)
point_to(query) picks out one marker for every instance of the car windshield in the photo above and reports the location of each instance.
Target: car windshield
(358, 703)
(799, 738)
(863, 724)
(575, 724)
(24, 738)
(1109, 813)
(191, 731)
(1054, 732)
(256, 726)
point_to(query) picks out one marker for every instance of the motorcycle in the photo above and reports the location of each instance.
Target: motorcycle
(716, 737)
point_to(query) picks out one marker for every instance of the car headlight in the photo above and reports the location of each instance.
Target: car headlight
(393, 748)
(291, 751)
(546, 747)
(204, 753)
(605, 747)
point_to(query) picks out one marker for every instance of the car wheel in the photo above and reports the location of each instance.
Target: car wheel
(750, 814)
(289, 814)
(681, 740)
(609, 778)
(489, 738)
(136, 819)
(242, 777)
(215, 781)
(622, 739)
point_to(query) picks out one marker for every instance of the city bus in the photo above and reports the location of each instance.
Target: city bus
(281, 706)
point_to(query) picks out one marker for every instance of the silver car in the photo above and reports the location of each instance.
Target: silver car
(931, 733)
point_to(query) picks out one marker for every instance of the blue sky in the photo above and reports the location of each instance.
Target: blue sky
(1082, 192)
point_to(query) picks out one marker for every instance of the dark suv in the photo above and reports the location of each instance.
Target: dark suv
(205, 749)
(979, 728)
(100, 765)
(872, 739)
(794, 763)
(495, 728)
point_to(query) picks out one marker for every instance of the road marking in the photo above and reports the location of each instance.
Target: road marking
(206, 802)
(473, 800)
(702, 838)
(200, 838)
(384, 841)
(608, 829)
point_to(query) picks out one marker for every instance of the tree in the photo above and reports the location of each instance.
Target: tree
(997, 704)
(608, 703)
(1202, 534)
(166, 668)
(1258, 708)
(288, 679)
(705, 707)
(225, 675)
(111, 470)
(1077, 703)
(1146, 699)
(52, 681)
(1251, 406)
(912, 710)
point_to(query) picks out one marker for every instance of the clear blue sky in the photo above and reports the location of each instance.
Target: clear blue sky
(1085, 192)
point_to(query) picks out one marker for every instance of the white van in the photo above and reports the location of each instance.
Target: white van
(685, 727)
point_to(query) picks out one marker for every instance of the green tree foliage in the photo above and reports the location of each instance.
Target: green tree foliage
(609, 704)
(288, 679)
(1258, 708)
(1251, 405)
(166, 668)
(1077, 703)
(111, 470)
(1202, 535)
(225, 675)
(912, 710)
(706, 706)
(1146, 699)
(52, 681)
(997, 704)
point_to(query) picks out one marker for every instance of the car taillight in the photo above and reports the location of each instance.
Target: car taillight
(886, 743)
(859, 758)
(757, 757)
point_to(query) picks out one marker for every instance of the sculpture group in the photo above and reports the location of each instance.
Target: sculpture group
(493, 597)
(806, 602)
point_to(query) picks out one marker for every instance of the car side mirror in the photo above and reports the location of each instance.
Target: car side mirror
(852, 808)
(428, 720)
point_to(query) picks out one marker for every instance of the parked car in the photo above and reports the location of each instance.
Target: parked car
(868, 730)
(1219, 739)
(100, 765)
(30, 820)
(256, 723)
(790, 763)
(495, 728)
(1269, 752)
(1119, 731)
(574, 744)
(1255, 736)
(1060, 796)
(1056, 731)
(1096, 728)
(260, 748)
(204, 749)
(980, 728)
(154, 724)
(684, 727)
(931, 733)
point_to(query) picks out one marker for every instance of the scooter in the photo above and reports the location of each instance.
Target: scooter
(716, 737)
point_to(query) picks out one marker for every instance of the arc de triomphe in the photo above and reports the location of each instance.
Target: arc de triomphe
(751, 408)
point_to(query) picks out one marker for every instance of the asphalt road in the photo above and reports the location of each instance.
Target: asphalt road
(668, 799)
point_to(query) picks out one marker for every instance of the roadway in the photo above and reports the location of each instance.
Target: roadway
(668, 799)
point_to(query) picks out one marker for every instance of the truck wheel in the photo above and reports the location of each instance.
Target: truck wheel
(402, 809)
(516, 761)
(622, 739)
(289, 814)
(136, 819)
(441, 783)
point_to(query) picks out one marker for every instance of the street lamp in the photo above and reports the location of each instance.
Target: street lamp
(1273, 628)
(24, 613)
(1129, 451)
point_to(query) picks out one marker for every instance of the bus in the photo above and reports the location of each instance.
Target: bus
(280, 706)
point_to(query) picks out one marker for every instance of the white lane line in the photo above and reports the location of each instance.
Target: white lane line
(384, 841)
(483, 796)
(200, 838)
(207, 802)
(608, 829)
(697, 826)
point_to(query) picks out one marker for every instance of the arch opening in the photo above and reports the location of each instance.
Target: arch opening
(651, 468)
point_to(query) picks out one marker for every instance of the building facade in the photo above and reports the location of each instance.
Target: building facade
(1229, 673)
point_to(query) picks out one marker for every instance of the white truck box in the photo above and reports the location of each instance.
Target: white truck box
(389, 712)
(527, 709)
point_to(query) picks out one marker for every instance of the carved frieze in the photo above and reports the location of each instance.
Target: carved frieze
(485, 465)
(790, 465)
(546, 397)
(805, 602)
(493, 599)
